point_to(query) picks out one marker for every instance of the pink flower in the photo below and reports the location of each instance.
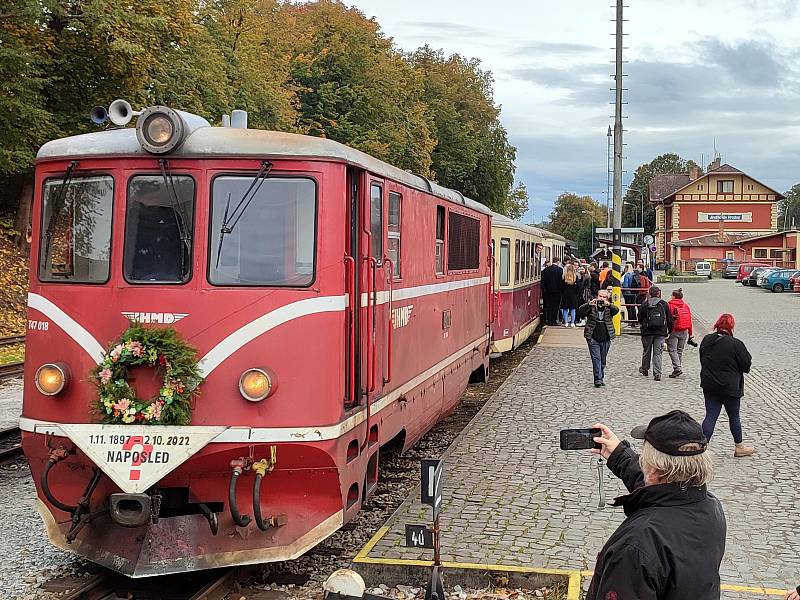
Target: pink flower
(136, 348)
(122, 405)
(116, 351)
(105, 375)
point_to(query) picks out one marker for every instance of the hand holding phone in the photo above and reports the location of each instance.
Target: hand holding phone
(579, 439)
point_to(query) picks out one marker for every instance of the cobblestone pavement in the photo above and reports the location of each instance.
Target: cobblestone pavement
(512, 497)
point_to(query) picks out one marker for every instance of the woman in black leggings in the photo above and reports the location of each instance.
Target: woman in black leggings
(724, 360)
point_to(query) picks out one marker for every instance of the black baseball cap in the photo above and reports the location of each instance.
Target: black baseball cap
(669, 432)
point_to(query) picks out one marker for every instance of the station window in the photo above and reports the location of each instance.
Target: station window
(725, 186)
(505, 261)
(439, 240)
(776, 253)
(376, 220)
(463, 242)
(159, 226)
(759, 253)
(395, 202)
(76, 230)
(272, 244)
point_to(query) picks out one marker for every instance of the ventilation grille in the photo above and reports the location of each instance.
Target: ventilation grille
(463, 250)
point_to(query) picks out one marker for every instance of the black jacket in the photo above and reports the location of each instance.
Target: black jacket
(644, 311)
(594, 283)
(589, 312)
(669, 547)
(552, 279)
(723, 362)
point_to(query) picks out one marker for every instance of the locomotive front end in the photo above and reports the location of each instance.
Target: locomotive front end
(186, 346)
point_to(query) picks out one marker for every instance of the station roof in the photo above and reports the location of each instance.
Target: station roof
(664, 186)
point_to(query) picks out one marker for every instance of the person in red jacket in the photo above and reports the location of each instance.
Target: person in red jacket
(681, 331)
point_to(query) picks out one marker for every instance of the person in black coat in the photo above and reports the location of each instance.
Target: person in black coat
(671, 544)
(552, 282)
(724, 360)
(656, 321)
(594, 280)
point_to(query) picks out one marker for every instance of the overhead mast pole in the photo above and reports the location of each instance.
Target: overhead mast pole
(616, 234)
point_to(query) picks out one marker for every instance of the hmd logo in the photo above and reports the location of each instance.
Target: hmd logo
(401, 316)
(154, 317)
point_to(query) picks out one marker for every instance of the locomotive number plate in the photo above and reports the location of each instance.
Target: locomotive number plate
(137, 456)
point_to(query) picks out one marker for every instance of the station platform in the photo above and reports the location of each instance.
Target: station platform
(513, 500)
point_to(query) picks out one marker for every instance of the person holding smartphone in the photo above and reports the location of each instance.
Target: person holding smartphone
(671, 544)
(598, 331)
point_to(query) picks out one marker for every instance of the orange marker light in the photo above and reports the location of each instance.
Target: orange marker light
(255, 385)
(51, 379)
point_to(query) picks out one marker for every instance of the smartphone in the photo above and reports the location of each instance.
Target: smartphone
(579, 439)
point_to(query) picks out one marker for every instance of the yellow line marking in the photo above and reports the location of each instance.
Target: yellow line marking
(371, 543)
(727, 587)
(574, 586)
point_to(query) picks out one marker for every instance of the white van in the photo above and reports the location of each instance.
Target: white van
(703, 269)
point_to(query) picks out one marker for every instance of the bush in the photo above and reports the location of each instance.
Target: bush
(672, 271)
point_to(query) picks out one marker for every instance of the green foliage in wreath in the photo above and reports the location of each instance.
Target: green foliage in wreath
(171, 357)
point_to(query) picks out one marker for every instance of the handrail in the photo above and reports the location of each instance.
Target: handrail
(372, 374)
(390, 325)
(350, 267)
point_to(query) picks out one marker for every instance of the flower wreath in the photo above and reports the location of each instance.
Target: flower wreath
(173, 359)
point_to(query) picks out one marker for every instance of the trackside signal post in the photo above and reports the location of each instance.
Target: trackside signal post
(420, 536)
(616, 234)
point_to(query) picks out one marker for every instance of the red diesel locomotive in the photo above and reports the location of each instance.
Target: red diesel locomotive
(335, 302)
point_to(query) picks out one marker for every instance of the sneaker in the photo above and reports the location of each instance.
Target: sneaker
(602, 383)
(656, 377)
(676, 373)
(643, 371)
(598, 384)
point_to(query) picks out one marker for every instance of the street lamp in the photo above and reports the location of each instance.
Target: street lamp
(583, 212)
(635, 220)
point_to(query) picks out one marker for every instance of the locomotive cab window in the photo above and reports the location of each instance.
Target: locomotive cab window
(159, 225)
(268, 241)
(376, 221)
(76, 230)
(440, 240)
(395, 214)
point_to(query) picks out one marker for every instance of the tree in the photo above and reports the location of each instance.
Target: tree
(789, 209)
(572, 214)
(639, 188)
(516, 204)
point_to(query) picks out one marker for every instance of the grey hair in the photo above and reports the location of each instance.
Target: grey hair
(696, 469)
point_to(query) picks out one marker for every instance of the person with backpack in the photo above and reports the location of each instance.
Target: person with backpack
(724, 360)
(655, 319)
(631, 279)
(681, 331)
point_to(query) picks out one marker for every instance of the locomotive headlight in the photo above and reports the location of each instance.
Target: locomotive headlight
(255, 385)
(160, 129)
(51, 378)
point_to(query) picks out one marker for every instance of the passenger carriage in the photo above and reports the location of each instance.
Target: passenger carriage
(335, 302)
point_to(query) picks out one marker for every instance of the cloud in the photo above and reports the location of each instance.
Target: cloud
(557, 49)
(446, 30)
(748, 63)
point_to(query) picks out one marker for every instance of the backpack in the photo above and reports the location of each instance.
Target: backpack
(656, 318)
(636, 280)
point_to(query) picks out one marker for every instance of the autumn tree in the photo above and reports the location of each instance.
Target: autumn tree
(516, 203)
(639, 189)
(572, 215)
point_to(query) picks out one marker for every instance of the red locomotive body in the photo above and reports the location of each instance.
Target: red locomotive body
(359, 292)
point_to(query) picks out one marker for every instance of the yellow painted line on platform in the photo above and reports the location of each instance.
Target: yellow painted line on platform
(372, 541)
(574, 586)
(727, 587)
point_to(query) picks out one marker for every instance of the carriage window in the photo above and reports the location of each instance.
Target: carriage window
(516, 261)
(505, 262)
(158, 229)
(394, 232)
(439, 240)
(273, 243)
(76, 230)
(376, 221)
(527, 252)
(463, 243)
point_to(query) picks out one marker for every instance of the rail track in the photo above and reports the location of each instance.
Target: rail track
(12, 369)
(10, 444)
(14, 339)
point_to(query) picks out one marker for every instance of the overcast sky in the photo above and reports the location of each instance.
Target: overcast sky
(697, 70)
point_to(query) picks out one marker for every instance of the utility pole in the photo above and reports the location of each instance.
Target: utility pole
(616, 234)
(608, 176)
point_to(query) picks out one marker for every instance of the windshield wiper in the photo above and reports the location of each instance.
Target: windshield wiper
(177, 211)
(58, 204)
(230, 220)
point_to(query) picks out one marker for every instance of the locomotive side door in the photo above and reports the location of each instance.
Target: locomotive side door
(374, 296)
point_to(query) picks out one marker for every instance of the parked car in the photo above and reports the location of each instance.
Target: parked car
(731, 271)
(752, 279)
(745, 270)
(794, 283)
(776, 280)
(703, 269)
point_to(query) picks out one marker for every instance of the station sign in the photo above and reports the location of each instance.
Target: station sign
(419, 536)
(432, 484)
(136, 457)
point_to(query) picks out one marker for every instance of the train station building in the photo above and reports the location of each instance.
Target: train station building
(719, 215)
